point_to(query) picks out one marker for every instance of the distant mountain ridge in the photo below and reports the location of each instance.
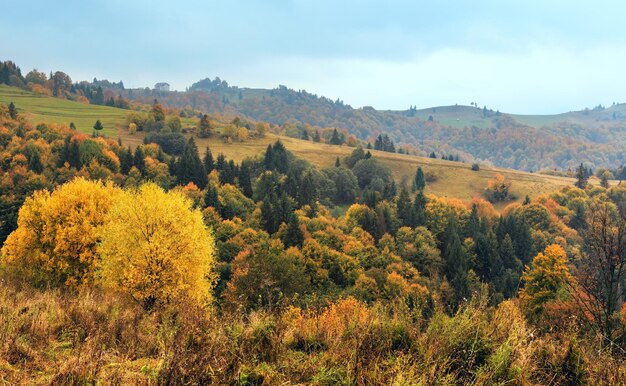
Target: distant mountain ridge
(595, 136)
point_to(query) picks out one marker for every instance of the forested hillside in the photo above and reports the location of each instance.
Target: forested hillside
(139, 266)
(596, 136)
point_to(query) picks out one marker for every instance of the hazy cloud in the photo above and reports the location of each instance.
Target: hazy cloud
(523, 57)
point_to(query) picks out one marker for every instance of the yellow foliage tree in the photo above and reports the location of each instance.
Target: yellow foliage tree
(156, 248)
(545, 281)
(55, 240)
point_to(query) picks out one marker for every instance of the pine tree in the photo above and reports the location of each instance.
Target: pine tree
(293, 236)
(34, 162)
(211, 197)
(268, 218)
(126, 160)
(337, 162)
(418, 211)
(419, 182)
(190, 168)
(581, 177)
(336, 139)
(307, 194)
(208, 162)
(455, 261)
(139, 160)
(205, 128)
(604, 182)
(403, 206)
(12, 111)
(245, 180)
(316, 136)
(98, 125)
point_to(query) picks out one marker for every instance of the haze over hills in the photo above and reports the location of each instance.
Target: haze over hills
(595, 136)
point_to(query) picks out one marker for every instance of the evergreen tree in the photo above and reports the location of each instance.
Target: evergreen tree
(604, 182)
(307, 194)
(432, 155)
(418, 211)
(336, 138)
(139, 160)
(455, 261)
(473, 226)
(72, 126)
(12, 111)
(419, 182)
(245, 180)
(205, 128)
(126, 160)
(34, 162)
(207, 160)
(337, 162)
(268, 219)
(526, 200)
(293, 237)
(211, 197)
(190, 168)
(581, 177)
(403, 206)
(99, 98)
(98, 125)
(220, 165)
(316, 136)
(305, 135)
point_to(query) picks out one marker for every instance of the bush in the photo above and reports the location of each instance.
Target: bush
(171, 143)
(475, 167)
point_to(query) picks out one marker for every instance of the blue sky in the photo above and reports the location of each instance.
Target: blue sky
(521, 57)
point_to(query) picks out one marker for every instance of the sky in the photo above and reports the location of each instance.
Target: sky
(527, 57)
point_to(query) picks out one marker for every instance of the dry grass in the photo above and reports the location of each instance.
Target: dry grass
(91, 338)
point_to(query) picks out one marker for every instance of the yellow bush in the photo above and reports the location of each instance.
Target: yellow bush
(156, 248)
(55, 240)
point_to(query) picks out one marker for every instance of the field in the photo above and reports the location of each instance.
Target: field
(453, 179)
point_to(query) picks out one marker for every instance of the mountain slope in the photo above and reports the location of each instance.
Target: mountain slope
(524, 142)
(452, 179)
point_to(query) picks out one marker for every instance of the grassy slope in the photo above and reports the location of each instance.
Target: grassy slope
(453, 179)
(467, 116)
(39, 108)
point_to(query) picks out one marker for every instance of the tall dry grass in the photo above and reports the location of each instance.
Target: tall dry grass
(51, 337)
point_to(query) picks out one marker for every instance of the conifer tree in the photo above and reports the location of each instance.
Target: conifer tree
(211, 197)
(98, 125)
(581, 177)
(293, 236)
(139, 160)
(207, 160)
(403, 206)
(418, 210)
(12, 111)
(126, 160)
(190, 168)
(245, 180)
(419, 182)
